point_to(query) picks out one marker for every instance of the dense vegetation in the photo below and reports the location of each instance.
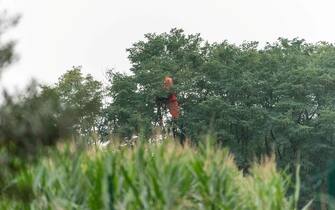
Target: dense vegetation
(256, 100)
(149, 177)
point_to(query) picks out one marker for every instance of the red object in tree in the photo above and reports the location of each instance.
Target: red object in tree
(172, 101)
(173, 105)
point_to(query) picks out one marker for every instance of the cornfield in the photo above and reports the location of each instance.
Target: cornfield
(149, 176)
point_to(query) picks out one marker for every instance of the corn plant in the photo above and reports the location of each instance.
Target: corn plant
(165, 176)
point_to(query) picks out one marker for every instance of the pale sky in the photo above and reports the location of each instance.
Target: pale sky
(55, 35)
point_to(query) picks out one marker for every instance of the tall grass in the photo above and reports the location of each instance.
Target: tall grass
(163, 176)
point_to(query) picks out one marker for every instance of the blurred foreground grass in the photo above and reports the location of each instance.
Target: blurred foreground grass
(163, 176)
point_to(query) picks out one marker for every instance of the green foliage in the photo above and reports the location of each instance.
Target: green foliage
(42, 116)
(28, 122)
(150, 177)
(255, 100)
(28, 119)
(7, 54)
(166, 54)
(82, 97)
(121, 117)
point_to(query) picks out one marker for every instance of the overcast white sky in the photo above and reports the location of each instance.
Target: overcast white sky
(55, 35)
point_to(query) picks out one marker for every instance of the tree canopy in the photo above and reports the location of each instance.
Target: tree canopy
(256, 100)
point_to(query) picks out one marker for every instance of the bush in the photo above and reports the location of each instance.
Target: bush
(28, 123)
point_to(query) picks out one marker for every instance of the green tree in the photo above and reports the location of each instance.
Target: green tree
(256, 100)
(134, 105)
(7, 53)
(82, 98)
(121, 116)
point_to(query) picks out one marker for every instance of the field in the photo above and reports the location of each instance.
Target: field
(148, 176)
